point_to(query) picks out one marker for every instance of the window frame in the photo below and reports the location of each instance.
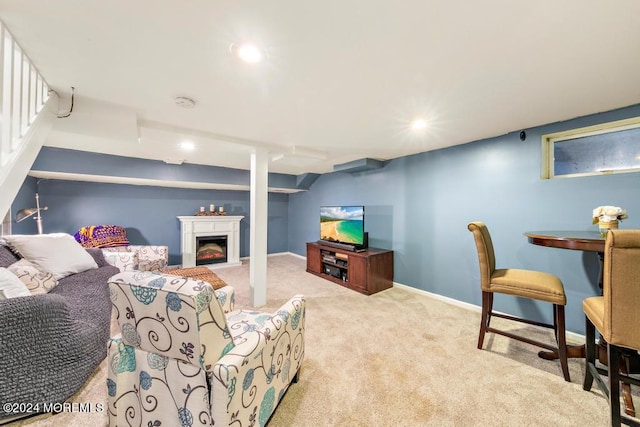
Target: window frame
(548, 141)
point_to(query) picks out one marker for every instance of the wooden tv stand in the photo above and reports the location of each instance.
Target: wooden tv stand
(367, 272)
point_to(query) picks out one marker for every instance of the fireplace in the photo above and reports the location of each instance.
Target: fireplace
(211, 250)
(209, 230)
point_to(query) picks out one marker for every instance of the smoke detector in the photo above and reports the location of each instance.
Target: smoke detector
(184, 102)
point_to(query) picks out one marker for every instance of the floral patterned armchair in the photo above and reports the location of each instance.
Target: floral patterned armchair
(181, 361)
(137, 257)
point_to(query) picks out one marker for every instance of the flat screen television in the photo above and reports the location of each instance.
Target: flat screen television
(342, 224)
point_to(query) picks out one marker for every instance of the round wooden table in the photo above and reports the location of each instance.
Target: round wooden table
(590, 241)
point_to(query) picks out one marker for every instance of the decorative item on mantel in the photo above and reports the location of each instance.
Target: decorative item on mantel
(211, 212)
(607, 217)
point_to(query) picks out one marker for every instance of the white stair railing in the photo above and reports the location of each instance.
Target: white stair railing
(23, 97)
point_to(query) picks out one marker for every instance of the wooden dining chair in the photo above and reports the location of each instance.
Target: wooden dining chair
(616, 316)
(534, 285)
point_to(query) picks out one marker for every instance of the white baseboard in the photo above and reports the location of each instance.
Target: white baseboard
(247, 258)
(571, 336)
(278, 254)
(297, 256)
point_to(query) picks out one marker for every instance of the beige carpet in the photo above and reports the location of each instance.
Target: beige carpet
(398, 358)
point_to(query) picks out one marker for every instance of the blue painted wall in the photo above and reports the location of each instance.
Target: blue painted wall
(419, 206)
(148, 213)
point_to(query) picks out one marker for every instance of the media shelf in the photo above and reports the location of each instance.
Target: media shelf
(367, 272)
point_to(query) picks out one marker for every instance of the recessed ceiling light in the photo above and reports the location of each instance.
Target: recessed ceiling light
(418, 124)
(187, 145)
(248, 52)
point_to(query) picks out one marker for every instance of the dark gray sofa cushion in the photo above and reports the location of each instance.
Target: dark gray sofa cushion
(7, 257)
(50, 344)
(87, 295)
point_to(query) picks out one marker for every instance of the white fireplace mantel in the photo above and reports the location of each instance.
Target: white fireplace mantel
(209, 226)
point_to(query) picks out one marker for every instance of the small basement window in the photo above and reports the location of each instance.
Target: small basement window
(608, 148)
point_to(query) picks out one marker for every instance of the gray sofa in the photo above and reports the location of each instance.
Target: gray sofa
(51, 343)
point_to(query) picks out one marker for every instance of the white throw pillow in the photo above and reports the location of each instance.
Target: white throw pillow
(11, 286)
(36, 280)
(57, 253)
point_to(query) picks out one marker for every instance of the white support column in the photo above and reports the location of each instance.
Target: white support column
(258, 227)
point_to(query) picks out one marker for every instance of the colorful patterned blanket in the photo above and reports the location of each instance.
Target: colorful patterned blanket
(101, 236)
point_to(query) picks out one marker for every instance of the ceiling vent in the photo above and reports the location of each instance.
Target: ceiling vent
(360, 165)
(173, 161)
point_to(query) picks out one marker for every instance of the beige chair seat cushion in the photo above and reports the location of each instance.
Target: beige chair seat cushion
(529, 284)
(593, 308)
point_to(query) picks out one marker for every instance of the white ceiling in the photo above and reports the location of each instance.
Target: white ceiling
(342, 81)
